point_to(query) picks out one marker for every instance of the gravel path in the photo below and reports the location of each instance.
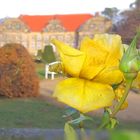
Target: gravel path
(31, 134)
(45, 134)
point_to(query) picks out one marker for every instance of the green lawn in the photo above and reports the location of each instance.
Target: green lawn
(29, 113)
(40, 69)
(37, 113)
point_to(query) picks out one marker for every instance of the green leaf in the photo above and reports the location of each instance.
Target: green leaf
(130, 62)
(69, 111)
(113, 123)
(70, 133)
(107, 121)
(106, 116)
(115, 86)
(80, 119)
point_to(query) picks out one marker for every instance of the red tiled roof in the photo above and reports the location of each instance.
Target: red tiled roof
(35, 23)
(73, 22)
(70, 22)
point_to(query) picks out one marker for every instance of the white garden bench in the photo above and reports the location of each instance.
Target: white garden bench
(47, 72)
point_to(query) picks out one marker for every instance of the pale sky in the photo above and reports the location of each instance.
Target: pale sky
(14, 8)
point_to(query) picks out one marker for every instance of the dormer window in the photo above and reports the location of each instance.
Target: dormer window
(54, 26)
(18, 26)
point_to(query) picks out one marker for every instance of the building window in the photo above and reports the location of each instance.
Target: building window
(18, 26)
(9, 26)
(39, 38)
(33, 44)
(34, 37)
(60, 37)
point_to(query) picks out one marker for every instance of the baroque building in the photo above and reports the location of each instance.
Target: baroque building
(34, 32)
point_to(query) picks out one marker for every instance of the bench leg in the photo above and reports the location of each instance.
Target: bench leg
(52, 76)
(46, 75)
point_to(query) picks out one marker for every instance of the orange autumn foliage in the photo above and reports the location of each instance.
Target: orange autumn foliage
(17, 72)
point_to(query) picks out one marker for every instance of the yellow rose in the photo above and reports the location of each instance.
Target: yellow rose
(119, 92)
(136, 82)
(93, 69)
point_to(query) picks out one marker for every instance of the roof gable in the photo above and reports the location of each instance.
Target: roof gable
(54, 26)
(14, 24)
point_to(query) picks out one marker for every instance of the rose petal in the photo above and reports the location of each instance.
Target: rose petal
(84, 95)
(72, 59)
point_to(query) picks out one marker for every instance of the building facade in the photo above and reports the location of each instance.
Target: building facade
(34, 32)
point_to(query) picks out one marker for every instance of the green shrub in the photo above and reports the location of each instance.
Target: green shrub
(47, 55)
